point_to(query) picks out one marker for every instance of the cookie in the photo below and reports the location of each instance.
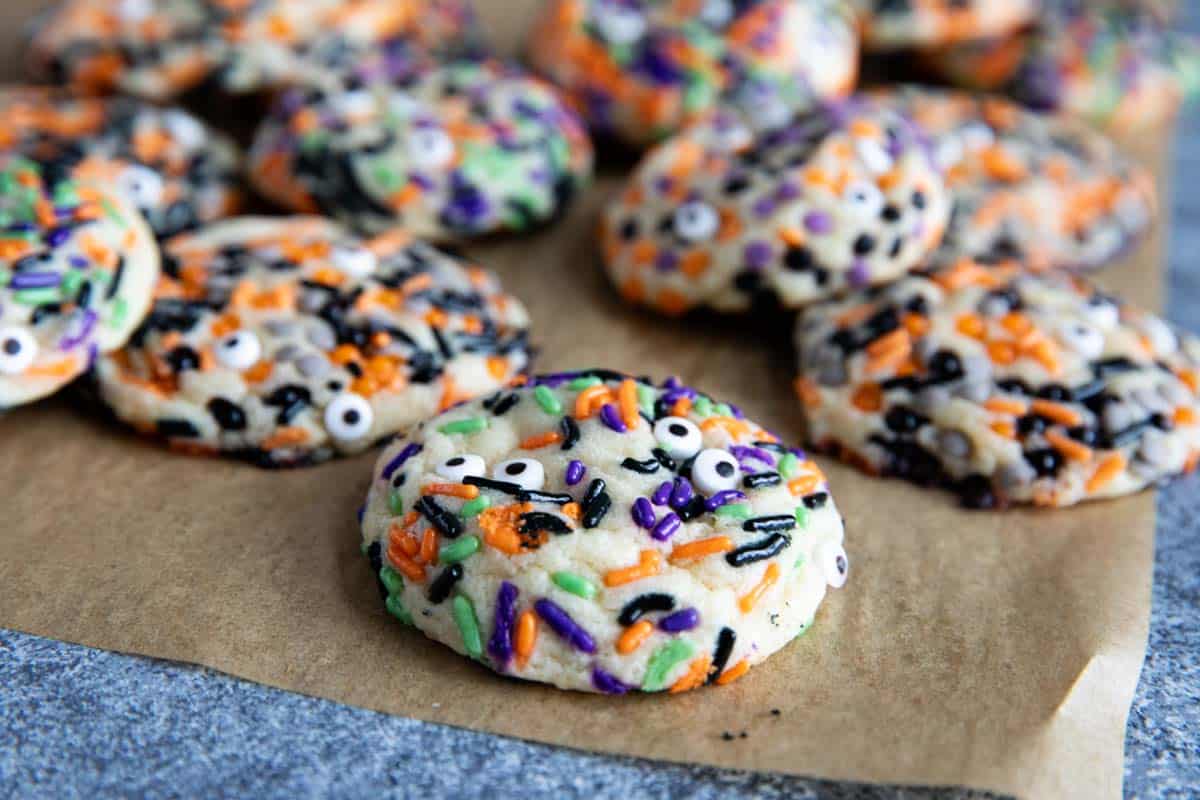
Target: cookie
(902, 24)
(1003, 385)
(286, 341)
(77, 269)
(640, 71)
(600, 533)
(1041, 188)
(844, 196)
(177, 171)
(469, 147)
(1113, 65)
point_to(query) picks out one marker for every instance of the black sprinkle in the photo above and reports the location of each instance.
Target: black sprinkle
(531, 496)
(180, 428)
(643, 604)
(505, 487)
(570, 432)
(725, 641)
(727, 736)
(816, 500)
(505, 405)
(375, 556)
(775, 712)
(439, 590)
(761, 479)
(594, 490)
(777, 522)
(694, 508)
(446, 523)
(229, 415)
(757, 551)
(647, 467)
(541, 521)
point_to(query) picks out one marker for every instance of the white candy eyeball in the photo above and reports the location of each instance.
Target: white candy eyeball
(715, 470)
(1103, 313)
(831, 558)
(865, 199)
(1162, 338)
(239, 350)
(141, 186)
(524, 472)
(356, 103)
(680, 438)
(873, 156)
(357, 262)
(18, 349)
(976, 136)
(948, 151)
(184, 128)
(348, 417)
(135, 10)
(695, 221)
(430, 147)
(1082, 338)
(458, 467)
(717, 13)
(617, 24)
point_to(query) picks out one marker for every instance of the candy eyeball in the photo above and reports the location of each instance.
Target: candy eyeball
(354, 104)
(348, 417)
(358, 262)
(430, 147)
(695, 221)
(1102, 312)
(715, 470)
(831, 558)
(1084, 339)
(865, 199)
(142, 186)
(184, 128)
(239, 350)
(1162, 338)
(873, 155)
(679, 437)
(18, 349)
(524, 472)
(456, 468)
(948, 151)
(618, 24)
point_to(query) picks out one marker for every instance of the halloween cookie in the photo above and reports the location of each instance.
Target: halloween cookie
(77, 268)
(177, 171)
(1003, 385)
(1041, 188)
(287, 341)
(898, 24)
(601, 533)
(466, 148)
(641, 70)
(719, 216)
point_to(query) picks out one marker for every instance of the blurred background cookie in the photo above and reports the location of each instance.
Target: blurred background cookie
(905, 24)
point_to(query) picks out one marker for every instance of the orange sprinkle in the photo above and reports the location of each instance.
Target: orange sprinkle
(573, 511)
(1003, 353)
(748, 601)
(804, 484)
(259, 372)
(971, 325)
(888, 342)
(1073, 450)
(1190, 379)
(590, 399)
(733, 673)
(701, 548)
(497, 367)
(681, 407)
(695, 676)
(735, 427)
(915, 324)
(1184, 415)
(463, 490)
(634, 636)
(1062, 414)
(868, 397)
(225, 324)
(285, 437)
(526, 638)
(1004, 405)
(63, 368)
(538, 441)
(409, 568)
(807, 391)
(649, 564)
(627, 403)
(1106, 472)
(499, 525)
(1004, 427)
(1016, 323)
(429, 547)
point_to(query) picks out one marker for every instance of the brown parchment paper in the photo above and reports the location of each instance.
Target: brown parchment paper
(989, 650)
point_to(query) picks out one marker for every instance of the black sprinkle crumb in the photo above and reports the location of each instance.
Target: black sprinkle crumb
(743, 735)
(775, 712)
(727, 736)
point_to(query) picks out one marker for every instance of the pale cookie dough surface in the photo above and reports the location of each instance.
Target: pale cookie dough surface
(77, 270)
(641, 70)
(464, 148)
(1042, 188)
(287, 341)
(725, 217)
(600, 533)
(1005, 386)
(899, 24)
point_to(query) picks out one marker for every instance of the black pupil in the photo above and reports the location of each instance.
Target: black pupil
(841, 563)
(350, 417)
(677, 430)
(514, 469)
(724, 469)
(11, 347)
(454, 462)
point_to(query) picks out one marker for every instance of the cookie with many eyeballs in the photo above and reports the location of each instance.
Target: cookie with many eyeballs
(601, 533)
(1042, 188)
(902, 24)
(723, 217)
(287, 341)
(640, 71)
(1005, 386)
(77, 272)
(464, 148)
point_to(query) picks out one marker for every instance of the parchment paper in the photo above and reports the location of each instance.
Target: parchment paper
(990, 650)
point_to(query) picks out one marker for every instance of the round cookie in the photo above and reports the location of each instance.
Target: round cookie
(640, 71)
(286, 341)
(1114, 65)
(177, 171)
(1043, 188)
(466, 148)
(718, 216)
(892, 25)
(1003, 385)
(600, 533)
(77, 269)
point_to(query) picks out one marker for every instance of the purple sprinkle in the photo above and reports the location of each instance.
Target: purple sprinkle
(661, 494)
(818, 222)
(763, 207)
(860, 273)
(787, 191)
(500, 645)
(72, 340)
(608, 683)
(681, 494)
(78, 262)
(666, 527)
(736, 411)
(671, 383)
(669, 397)
(410, 450)
(666, 261)
(610, 417)
(757, 254)
(562, 624)
(683, 620)
(34, 280)
(722, 498)
(362, 512)
(643, 513)
(575, 471)
(58, 236)
(741, 451)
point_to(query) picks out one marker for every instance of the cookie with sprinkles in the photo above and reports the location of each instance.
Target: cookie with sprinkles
(844, 196)
(287, 341)
(1003, 385)
(77, 270)
(601, 533)
(901, 24)
(467, 147)
(177, 171)
(639, 71)
(1115, 64)
(1042, 188)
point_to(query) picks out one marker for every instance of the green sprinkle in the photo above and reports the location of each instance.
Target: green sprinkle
(734, 510)
(473, 507)
(723, 410)
(575, 584)
(395, 607)
(391, 580)
(799, 562)
(663, 661)
(702, 406)
(801, 517)
(468, 425)
(458, 550)
(120, 309)
(395, 502)
(112, 211)
(387, 178)
(72, 279)
(583, 383)
(546, 399)
(65, 194)
(787, 465)
(805, 628)
(646, 398)
(36, 297)
(468, 626)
